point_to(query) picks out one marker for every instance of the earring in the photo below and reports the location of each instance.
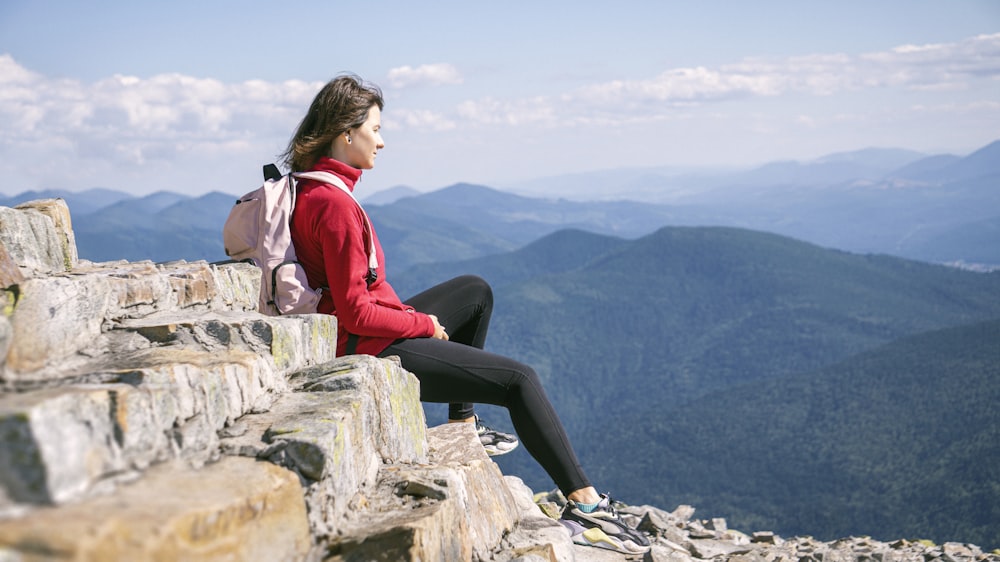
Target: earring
(348, 139)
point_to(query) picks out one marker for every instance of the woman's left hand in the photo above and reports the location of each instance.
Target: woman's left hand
(439, 331)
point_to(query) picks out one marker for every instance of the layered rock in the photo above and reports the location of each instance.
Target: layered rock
(149, 413)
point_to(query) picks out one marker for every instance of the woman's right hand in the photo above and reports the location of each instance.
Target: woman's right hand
(439, 331)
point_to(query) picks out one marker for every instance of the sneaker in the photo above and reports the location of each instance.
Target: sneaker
(495, 442)
(603, 528)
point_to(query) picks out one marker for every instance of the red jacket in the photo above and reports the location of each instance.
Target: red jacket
(330, 242)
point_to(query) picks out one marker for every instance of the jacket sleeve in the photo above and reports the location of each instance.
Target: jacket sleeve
(339, 227)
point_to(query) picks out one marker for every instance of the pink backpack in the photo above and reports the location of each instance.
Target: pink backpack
(257, 231)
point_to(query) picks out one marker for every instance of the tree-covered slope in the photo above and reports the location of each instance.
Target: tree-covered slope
(628, 334)
(158, 227)
(901, 441)
(698, 309)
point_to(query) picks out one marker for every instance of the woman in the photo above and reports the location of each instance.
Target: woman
(341, 134)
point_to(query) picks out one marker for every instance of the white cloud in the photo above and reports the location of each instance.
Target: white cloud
(133, 116)
(424, 75)
(63, 129)
(937, 67)
(12, 73)
(67, 132)
(527, 111)
(942, 66)
(419, 119)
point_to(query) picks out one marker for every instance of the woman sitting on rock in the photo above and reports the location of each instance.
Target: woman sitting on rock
(334, 240)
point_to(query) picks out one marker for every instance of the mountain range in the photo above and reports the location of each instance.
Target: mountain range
(938, 208)
(759, 377)
(772, 346)
(843, 201)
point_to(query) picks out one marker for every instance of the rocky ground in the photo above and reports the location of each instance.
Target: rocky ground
(148, 412)
(679, 537)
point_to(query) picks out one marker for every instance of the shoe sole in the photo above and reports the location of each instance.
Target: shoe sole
(495, 452)
(597, 538)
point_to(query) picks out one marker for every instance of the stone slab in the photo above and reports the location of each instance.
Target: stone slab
(292, 342)
(55, 317)
(237, 509)
(76, 308)
(536, 534)
(389, 402)
(349, 417)
(39, 237)
(455, 507)
(424, 533)
(483, 494)
(162, 403)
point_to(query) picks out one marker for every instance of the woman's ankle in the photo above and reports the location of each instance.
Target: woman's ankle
(586, 495)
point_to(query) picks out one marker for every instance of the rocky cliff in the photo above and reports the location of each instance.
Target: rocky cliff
(148, 413)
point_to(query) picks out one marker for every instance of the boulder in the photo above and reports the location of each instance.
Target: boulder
(148, 412)
(235, 509)
(38, 236)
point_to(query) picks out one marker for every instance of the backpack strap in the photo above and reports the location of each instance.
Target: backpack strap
(332, 179)
(328, 178)
(271, 172)
(352, 344)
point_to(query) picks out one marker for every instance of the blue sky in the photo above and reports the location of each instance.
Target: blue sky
(195, 96)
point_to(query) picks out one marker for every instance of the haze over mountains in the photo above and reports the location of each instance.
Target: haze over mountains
(774, 346)
(939, 208)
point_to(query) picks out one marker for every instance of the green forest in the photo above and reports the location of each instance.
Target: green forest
(781, 385)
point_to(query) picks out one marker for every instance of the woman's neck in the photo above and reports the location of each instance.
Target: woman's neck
(349, 174)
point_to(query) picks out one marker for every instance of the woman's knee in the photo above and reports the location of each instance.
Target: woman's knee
(525, 378)
(476, 282)
(477, 286)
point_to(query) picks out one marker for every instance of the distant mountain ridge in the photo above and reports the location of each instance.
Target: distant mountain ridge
(938, 208)
(160, 227)
(837, 168)
(639, 337)
(80, 202)
(391, 195)
(925, 167)
(674, 185)
(979, 164)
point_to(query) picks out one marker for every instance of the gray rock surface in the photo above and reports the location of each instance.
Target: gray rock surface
(148, 412)
(38, 236)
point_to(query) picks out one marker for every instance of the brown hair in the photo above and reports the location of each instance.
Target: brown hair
(341, 105)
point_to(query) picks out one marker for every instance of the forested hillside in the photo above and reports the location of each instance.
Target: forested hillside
(636, 339)
(723, 366)
(903, 440)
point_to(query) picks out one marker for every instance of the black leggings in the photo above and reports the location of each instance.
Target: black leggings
(458, 371)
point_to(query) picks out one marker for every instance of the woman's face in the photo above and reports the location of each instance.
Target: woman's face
(365, 143)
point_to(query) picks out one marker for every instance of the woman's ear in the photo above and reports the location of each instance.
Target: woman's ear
(338, 145)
